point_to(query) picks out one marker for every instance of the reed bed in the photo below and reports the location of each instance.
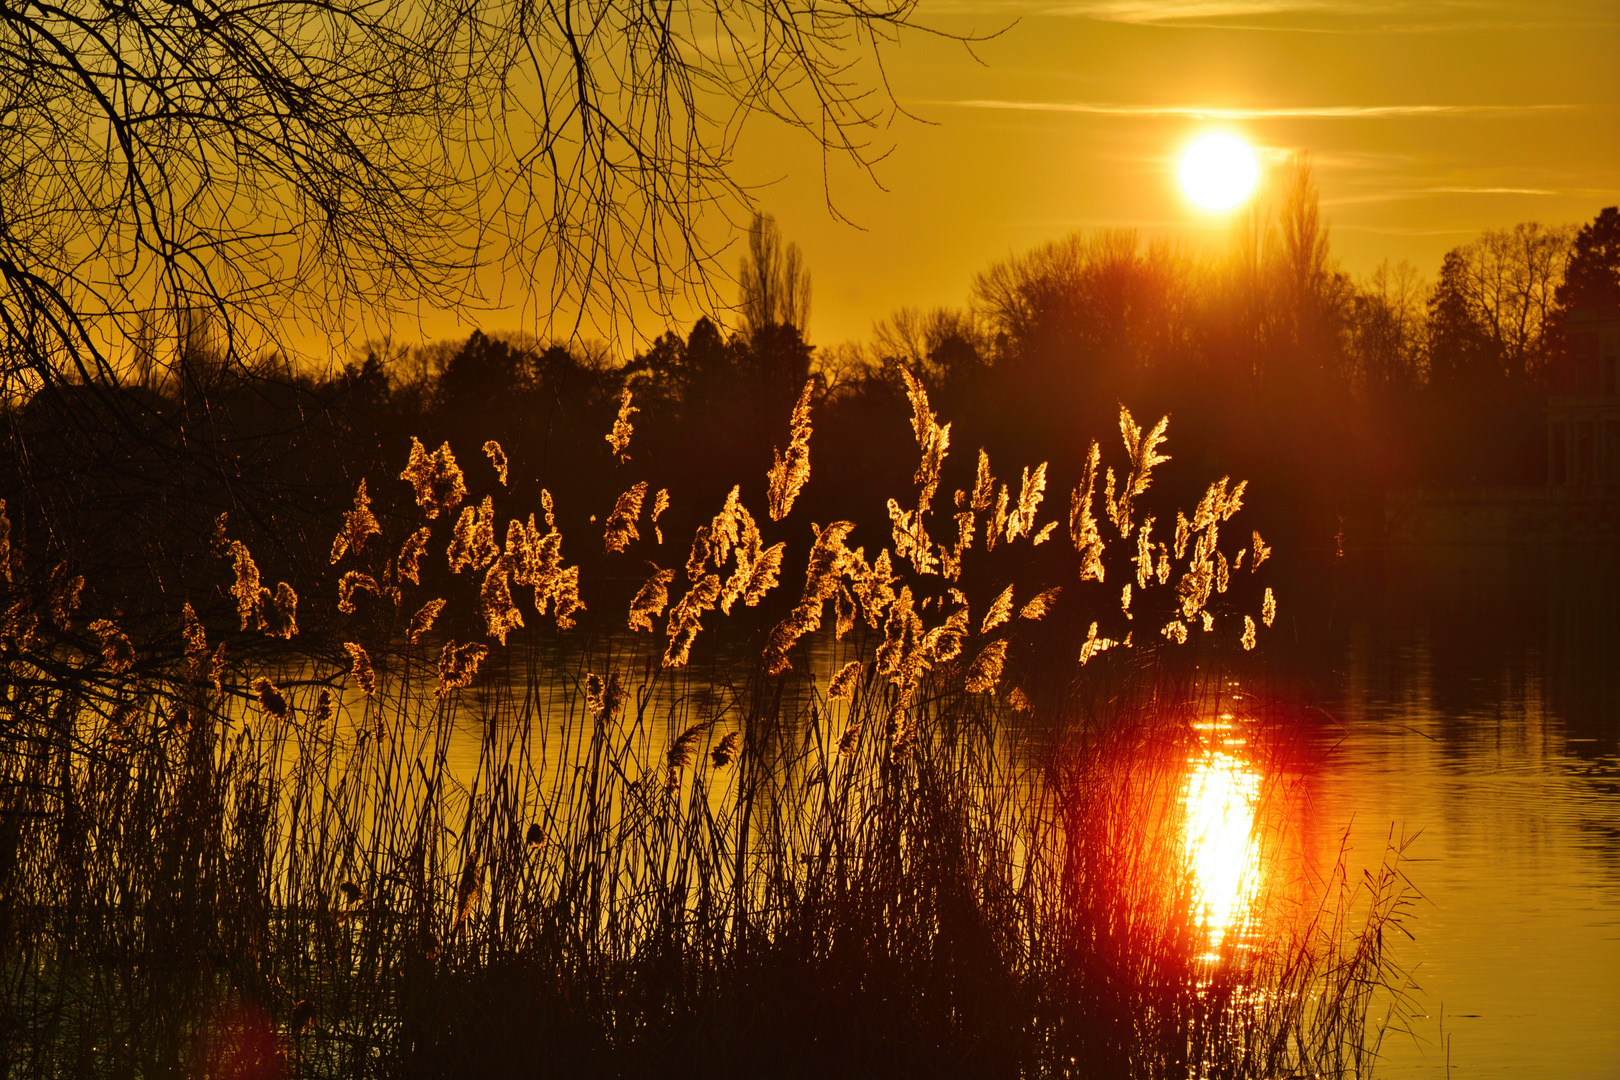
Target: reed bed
(495, 839)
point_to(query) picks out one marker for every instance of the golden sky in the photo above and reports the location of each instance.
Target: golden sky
(1428, 121)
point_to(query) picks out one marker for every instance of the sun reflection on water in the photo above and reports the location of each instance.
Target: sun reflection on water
(1221, 798)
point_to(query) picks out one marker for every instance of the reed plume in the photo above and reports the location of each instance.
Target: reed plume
(473, 542)
(1249, 635)
(436, 478)
(247, 591)
(684, 619)
(358, 524)
(458, 665)
(1083, 530)
(1021, 521)
(323, 709)
(933, 439)
(537, 561)
(1094, 644)
(497, 458)
(619, 437)
(604, 698)
(410, 555)
(791, 471)
(651, 599)
(271, 699)
(620, 528)
(943, 643)
(984, 484)
(1261, 553)
(1268, 607)
(285, 606)
(911, 540)
(217, 669)
(985, 671)
(682, 751)
(467, 890)
(872, 586)
(1000, 611)
(1043, 602)
(196, 643)
(1175, 630)
(725, 751)
(501, 615)
(422, 621)
(763, 571)
(841, 687)
(660, 504)
(829, 561)
(1144, 553)
(1143, 452)
(360, 669)
(350, 583)
(117, 654)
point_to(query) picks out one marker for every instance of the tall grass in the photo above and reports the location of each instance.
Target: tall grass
(967, 860)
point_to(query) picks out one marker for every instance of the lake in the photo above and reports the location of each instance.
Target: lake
(1478, 690)
(1473, 697)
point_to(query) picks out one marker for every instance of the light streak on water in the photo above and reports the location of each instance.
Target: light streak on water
(1221, 799)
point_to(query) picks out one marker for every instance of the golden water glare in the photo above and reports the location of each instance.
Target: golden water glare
(1221, 799)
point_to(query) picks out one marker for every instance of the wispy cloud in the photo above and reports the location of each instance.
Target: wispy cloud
(1488, 191)
(1218, 112)
(1318, 16)
(1408, 194)
(1176, 11)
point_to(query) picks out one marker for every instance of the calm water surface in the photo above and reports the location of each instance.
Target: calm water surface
(1475, 704)
(1479, 695)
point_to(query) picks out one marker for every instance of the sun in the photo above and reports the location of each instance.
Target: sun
(1219, 171)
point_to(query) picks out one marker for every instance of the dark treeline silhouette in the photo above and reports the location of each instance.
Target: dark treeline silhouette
(1276, 367)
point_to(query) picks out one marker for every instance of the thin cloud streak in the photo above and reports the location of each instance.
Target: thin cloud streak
(1491, 191)
(1174, 11)
(1410, 194)
(1217, 15)
(1205, 112)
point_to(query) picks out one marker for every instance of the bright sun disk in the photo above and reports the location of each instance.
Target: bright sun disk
(1219, 171)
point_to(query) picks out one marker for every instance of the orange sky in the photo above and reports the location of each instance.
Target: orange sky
(1428, 121)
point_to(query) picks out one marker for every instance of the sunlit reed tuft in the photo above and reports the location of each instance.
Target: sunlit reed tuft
(724, 752)
(360, 669)
(619, 437)
(620, 528)
(350, 583)
(436, 477)
(458, 665)
(422, 621)
(497, 458)
(271, 699)
(358, 524)
(791, 471)
(117, 654)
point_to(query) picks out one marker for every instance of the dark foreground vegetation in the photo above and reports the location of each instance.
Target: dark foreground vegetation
(295, 783)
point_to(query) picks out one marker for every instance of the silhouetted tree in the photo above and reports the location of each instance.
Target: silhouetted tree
(1592, 272)
(1459, 349)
